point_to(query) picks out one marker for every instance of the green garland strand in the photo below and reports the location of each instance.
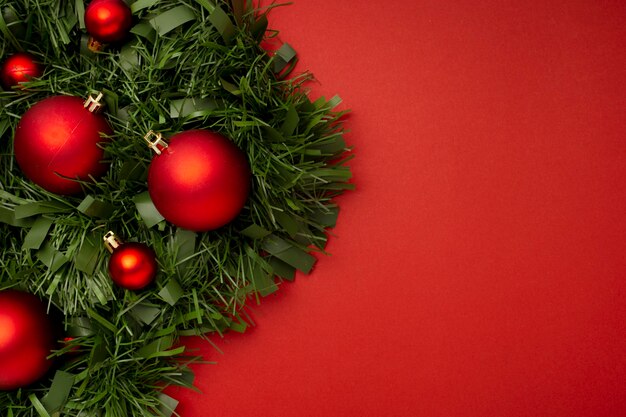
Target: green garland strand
(187, 64)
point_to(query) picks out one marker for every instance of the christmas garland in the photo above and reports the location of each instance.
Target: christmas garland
(183, 66)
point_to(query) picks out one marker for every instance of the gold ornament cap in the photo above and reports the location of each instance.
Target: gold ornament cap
(155, 141)
(92, 104)
(111, 241)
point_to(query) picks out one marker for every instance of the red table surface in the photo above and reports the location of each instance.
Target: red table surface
(479, 269)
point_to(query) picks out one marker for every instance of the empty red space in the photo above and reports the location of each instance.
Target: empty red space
(478, 270)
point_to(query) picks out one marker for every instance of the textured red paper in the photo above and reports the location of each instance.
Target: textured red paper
(479, 268)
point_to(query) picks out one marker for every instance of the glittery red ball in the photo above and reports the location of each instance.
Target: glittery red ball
(57, 141)
(108, 20)
(26, 339)
(200, 181)
(18, 68)
(133, 266)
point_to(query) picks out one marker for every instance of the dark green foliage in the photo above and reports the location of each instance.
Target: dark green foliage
(187, 64)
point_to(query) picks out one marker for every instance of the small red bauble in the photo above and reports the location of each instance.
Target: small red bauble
(200, 181)
(57, 141)
(132, 265)
(108, 20)
(26, 339)
(18, 68)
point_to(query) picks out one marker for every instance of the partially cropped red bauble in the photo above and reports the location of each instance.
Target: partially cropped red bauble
(26, 339)
(108, 20)
(58, 138)
(18, 68)
(200, 181)
(133, 266)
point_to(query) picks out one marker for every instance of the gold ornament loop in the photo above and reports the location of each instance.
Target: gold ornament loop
(158, 144)
(93, 104)
(111, 241)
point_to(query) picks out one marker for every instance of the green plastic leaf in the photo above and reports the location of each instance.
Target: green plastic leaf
(284, 56)
(286, 222)
(59, 391)
(291, 122)
(255, 232)
(87, 257)
(192, 107)
(223, 24)
(145, 313)
(51, 257)
(80, 327)
(79, 8)
(168, 405)
(173, 18)
(327, 218)
(172, 292)
(37, 208)
(259, 27)
(142, 4)
(289, 254)
(282, 269)
(95, 208)
(147, 210)
(145, 30)
(207, 4)
(37, 233)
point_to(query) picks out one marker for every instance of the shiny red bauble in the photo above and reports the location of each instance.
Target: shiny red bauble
(58, 141)
(108, 20)
(200, 182)
(26, 339)
(18, 68)
(133, 266)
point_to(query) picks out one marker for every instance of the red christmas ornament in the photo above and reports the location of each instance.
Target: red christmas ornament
(18, 68)
(26, 339)
(132, 265)
(108, 20)
(58, 140)
(200, 181)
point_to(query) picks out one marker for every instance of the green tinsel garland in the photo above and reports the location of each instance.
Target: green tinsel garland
(187, 64)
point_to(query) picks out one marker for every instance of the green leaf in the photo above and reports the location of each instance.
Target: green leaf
(37, 208)
(172, 292)
(95, 208)
(192, 107)
(37, 233)
(142, 4)
(87, 257)
(173, 18)
(59, 391)
(51, 257)
(282, 269)
(145, 313)
(223, 24)
(147, 210)
(291, 121)
(168, 405)
(255, 232)
(289, 254)
(145, 30)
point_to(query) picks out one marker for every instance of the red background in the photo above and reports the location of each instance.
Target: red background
(479, 267)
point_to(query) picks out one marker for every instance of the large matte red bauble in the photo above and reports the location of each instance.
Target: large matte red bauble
(133, 266)
(57, 141)
(200, 182)
(26, 339)
(108, 20)
(18, 68)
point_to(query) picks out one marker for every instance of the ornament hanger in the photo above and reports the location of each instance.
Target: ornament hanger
(158, 144)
